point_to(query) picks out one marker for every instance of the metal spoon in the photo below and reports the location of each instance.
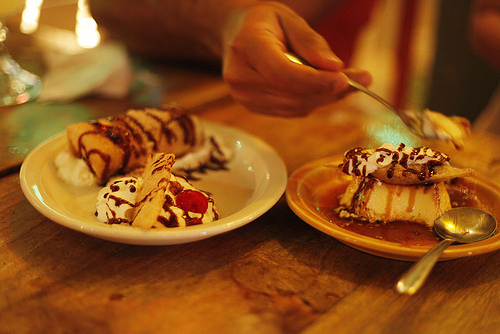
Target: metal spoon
(464, 225)
(424, 123)
(354, 84)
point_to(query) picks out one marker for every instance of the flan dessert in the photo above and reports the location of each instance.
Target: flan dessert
(397, 183)
(155, 199)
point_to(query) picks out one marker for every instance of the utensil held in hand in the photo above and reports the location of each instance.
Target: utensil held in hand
(424, 123)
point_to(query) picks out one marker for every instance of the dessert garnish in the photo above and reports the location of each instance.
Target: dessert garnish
(156, 199)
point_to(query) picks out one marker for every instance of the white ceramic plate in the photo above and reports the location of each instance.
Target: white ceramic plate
(255, 180)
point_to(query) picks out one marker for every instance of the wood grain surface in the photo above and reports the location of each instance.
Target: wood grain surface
(274, 275)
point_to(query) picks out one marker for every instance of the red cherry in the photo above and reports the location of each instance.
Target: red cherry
(191, 200)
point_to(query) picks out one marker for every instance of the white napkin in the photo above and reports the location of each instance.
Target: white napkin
(105, 70)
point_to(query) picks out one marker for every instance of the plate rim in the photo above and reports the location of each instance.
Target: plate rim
(270, 193)
(368, 244)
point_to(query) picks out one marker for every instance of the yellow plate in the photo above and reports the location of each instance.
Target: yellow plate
(307, 184)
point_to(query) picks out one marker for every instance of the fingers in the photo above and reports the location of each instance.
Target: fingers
(360, 76)
(249, 87)
(306, 43)
(269, 104)
(260, 97)
(260, 45)
(263, 79)
(268, 65)
(278, 104)
(300, 79)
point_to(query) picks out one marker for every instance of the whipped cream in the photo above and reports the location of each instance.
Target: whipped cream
(361, 162)
(116, 202)
(73, 171)
(212, 154)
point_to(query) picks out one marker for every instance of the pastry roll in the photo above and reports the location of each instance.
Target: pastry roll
(123, 143)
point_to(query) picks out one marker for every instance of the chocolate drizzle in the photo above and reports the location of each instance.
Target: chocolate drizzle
(357, 200)
(184, 122)
(171, 219)
(159, 165)
(137, 138)
(120, 134)
(115, 201)
(420, 161)
(142, 129)
(120, 201)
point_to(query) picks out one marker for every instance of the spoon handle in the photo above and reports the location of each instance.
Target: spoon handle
(413, 279)
(363, 89)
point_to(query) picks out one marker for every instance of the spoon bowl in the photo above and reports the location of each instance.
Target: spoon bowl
(463, 225)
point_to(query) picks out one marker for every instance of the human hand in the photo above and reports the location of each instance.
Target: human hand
(263, 79)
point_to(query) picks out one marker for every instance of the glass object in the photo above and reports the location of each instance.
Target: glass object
(16, 84)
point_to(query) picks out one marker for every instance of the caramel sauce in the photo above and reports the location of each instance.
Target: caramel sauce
(462, 194)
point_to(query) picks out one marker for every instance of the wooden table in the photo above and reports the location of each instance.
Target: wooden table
(274, 275)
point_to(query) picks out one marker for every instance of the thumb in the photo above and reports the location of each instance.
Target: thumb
(309, 45)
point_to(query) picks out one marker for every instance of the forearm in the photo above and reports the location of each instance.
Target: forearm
(187, 29)
(184, 29)
(249, 38)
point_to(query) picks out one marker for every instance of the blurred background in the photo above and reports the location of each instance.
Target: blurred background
(437, 69)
